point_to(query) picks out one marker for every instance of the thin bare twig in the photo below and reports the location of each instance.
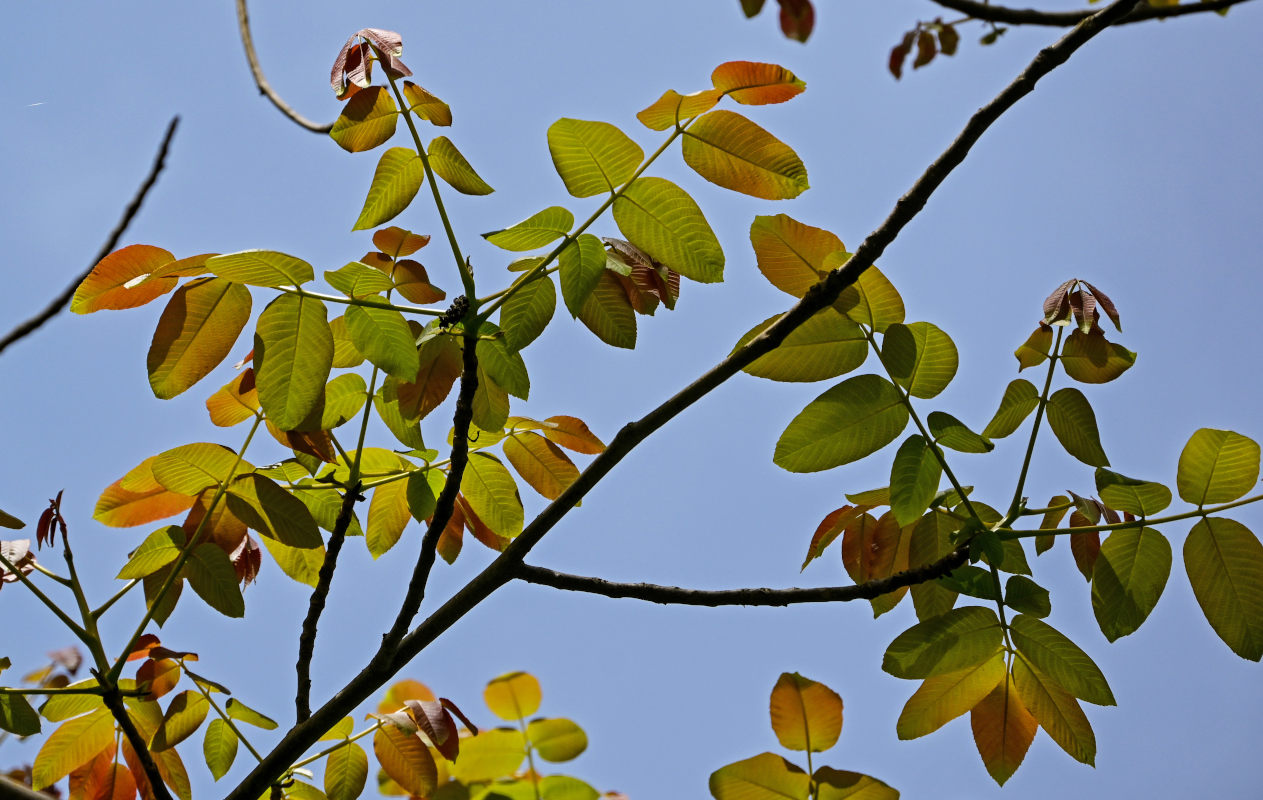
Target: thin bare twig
(1065, 19)
(265, 89)
(63, 299)
(502, 570)
(675, 595)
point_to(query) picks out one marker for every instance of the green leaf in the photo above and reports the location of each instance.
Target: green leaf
(422, 494)
(660, 218)
(1027, 597)
(450, 165)
(806, 714)
(1060, 659)
(190, 468)
(1128, 578)
(293, 353)
(825, 346)
(491, 403)
(1034, 351)
(764, 777)
(914, 478)
(184, 716)
(854, 419)
(211, 574)
(1090, 358)
(1217, 467)
(562, 787)
(359, 280)
(492, 493)
(730, 151)
(952, 433)
(383, 336)
(556, 740)
(493, 753)
(505, 366)
(243, 713)
(961, 638)
(833, 784)
(872, 300)
(592, 157)
(535, 231)
(1072, 420)
(1142, 498)
(219, 748)
(346, 771)
(1224, 561)
(1020, 399)
(407, 431)
(160, 548)
(198, 328)
(582, 263)
(790, 254)
(387, 517)
(972, 581)
(945, 697)
(17, 716)
(930, 541)
(608, 313)
(267, 508)
(262, 268)
(527, 311)
(1056, 710)
(344, 353)
(367, 121)
(72, 745)
(920, 356)
(399, 175)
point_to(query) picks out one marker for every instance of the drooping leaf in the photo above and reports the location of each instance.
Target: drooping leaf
(492, 493)
(951, 432)
(293, 353)
(426, 106)
(123, 508)
(1142, 498)
(183, 717)
(872, 300)
(1074, 423)
(790, 254)
(1217, 467)
(592, 157)
(397, 179)
(535, 231)
(1060, 659)
(1128, 578)
(262, 268)
(960, 638)
(825, 346)
(383, 336)
(755, 83)
(513, 696)
(1224, 561)
(210, 573)
(387, 517)
(556, 740)
(806, 714)
(1056, 710)
(406, 759)
(195, 333)
(834, 784)
(1034, 350)
(730, 151)
(945, 697)
(367, 121)
(118, 280)
(346, 771)
(450, 165)
(673, 108)
(219, 748)
(267, 508)
(73, 744)
(1090, 358)
(527, 312)
(664, 221)
(922, 358)
(541, 463)
(608, 313)
(1003, 730)
(1020, 399)
(914, 478)
(854, 419)
(763, 777)
(833, 524)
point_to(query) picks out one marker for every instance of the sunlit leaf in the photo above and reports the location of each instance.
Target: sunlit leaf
(930, 541)
(450, 165)
(396, 181)
(235, 402)
(673, 108)
(413, 282)
(190, 468)
(113, 284)
(513, 696)
(426, 106)
(1034, 350)
(1020, 399)
(755, 83)
(1128, 578)
(922, 358)
(357, 279)
(272, 511)
(951, 432)
(660, 218)
(491, 754)
(1056, 710)
(961, 638)
(301, 564)
(184, 716)
(527, 312)
(876, 549)
(368, 120)
(344, 353)
(197, 330)
(535, 231)
(806, 714)
(492, 492)
(1049, 651)
(1224, 561)
(790, 254)
(73, 744)
(387, 517)
(219, 748)
(262, 268)
(582, 264)
(945, 697)
(160, 548)
(1090, 358)
(914, 478)
(243, 713)
(1074, 423)
(440, 366)
(854, 419)
(397, 242)
(346, 771)
(1217, 467)
(293, 353)
(383, 336)
(730, 151)
(491, 403)
(556, 740)
(573, 434)
(405, 759)
(764, 777)
(541, 463)
(834, 784)
(608, 313)
(122, 508)
(1142, 498)
(825, 346)
(1003, 730)
(872, 300)
(592, 157)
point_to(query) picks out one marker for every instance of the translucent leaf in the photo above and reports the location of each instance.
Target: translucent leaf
(272, 511)
(608, 313)
(396, 242)
(673, 108)
(367, 121)
(346, 771)
(572, 433)
(450, 165)
(1142, 498)
(876, 549)
(491, 754)
(1090, 358)
(293, 353)
(243, 713)
(854, 419)
(262, 268)
(405, 759)
(1128, 578)
(963, 637)
(825, 346)
(790, 254)
(755, 83)
(426, 106)
(952, 433)
(1224, 561)
(527, 312)
(1057, 712)
(660, 218)
(17, 716)
(872, 300)
(556, 740)
(730, 151)
(763, 777)
(922, 358)
(235, 402)
(210, 573)
(806, 714)
(422, 494)
(383, 336)
(829, 528)
(1217, 467)
(190, 468)
(505, 366)
(183, 717)
(535, 231)
(513, 696)
(930, 541)
(582, 263)
(387, 517)
(1026, 596)
(195, 333)
(344, 353)
(491, 403)
(945, 697)
(219, 748)
(73, 744)
(122, 508)
(1060, 659)
(592, 157)
(440, 367)
(541, 463)
(159, 549)
(1003, 730)
(1020, 399)
(113, 284)
(492, 492)
(359, 280)
(407, 431)
(1072, 420)
(1034, 351)
(914, 478)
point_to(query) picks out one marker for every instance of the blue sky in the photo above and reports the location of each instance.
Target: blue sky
(1135, 166)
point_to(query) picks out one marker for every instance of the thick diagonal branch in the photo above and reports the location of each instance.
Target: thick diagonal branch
(265, 88)
(1064, 19)
(501, 571)
(114, 702)
(63, 299)
(675, 595)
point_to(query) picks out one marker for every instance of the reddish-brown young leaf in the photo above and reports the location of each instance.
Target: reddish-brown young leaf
(118, 280)
(873, 549)
(927, 48)
(189, 267)
(222, 528)
(402, 691)
(414, 284)
(757, 83)
(440, 358)
(829, 528)
(352, 69)
(313, 443)
(247, 559)
(1104, 302)
(405, 759)
(397, 242)
(1083, 306)
(1085, 547)
(798, 17)
(572, 433)
(142, 647)
(93, 779)
(453, 536)
(1057, 304)
(899, 53)
(157, 677)
(436, 725)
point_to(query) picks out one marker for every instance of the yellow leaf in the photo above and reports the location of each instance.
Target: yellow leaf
(1056, 710)
(73, 744)
(513, 696)
(405, 759)
(673, 108)
(729, 150)
(943, 698)
(806, 715)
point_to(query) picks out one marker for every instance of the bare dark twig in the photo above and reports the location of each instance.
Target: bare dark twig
(60, 302)
(1065, 19)
(114, 702)
(265, 89)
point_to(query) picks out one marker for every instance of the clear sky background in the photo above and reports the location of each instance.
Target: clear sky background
(1135, 166)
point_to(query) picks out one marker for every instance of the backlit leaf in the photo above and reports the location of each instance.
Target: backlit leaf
(399, 175)
(1128, 578)
(491, 754)
(876, 549)
(790, 254)
(346, 771)
(1034, 350)
(405, 759)
(344, 353)
(368, 120)
(184, 716)
(922, 358)
(407, 431)
(121, 508)
(262, 268)
(397, 242)
(914, 478)
(1072, 420)
(1217, 467)
(829, 528)
(113, 284)
(293, 353)
(1142, 498)
(1020, 399)
(491, 403)
(854, 419)
(1026, 596)
(505, 366)
(243, 713)
(190, 468)
(730, 151)
(872, 300)
(1056, 710)
(592, 157)
(219, 748)
(572, 433)
(834, 784)
(358, 280)
(527, 312)
(556, 740)
(440, 366)
(210, 573)
(945, 697)
(160, 548)
(492, 492)
(806, 715)
(73, 744)
(301, 564)
(1060, 659)
(930, 541)
(535, 231)
(541, 463)
(660, 218)
(426, 105)
(1003, 730)
(197, 330)
(608, 313)
(961, 638)
(272, 511)
(513, 696)
(387, 517)
(17, 716)
(825, 346)
(755, 83)
(582, 263)
(1090, 358)
(673, 108)
(450, 165)
(1224, 561)
(235, 402)
(383, 336)
(764, 777)
(412, 281)
(951, 432)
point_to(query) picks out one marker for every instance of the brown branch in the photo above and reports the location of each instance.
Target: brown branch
(501, 571)
(10, 788)
(1065, 19)
(63, 299)
(316, 605)
(675, 595)
(265, 89)
(114, 702)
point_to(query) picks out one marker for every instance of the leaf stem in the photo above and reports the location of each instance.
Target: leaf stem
(222, 715)
(117, 596)
(311, 759)
(74, 627)
(1054, 354)
(359, 301)
(1143, 522)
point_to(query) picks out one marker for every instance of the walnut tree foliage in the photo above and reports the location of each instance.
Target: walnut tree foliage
(439, 354)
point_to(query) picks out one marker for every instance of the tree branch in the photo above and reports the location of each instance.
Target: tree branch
(265, 89)
(1064, 19)
(20, 791)
(60, 302)
(378, 670)
(114, 702)
(675, 595)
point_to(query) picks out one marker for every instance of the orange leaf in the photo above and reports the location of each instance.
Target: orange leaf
(236, 401)
(806, 714)
(440, 367)
(195, 333)
(755, 83)
(478, 528)
(158, 676)
(1003, 730)
(829, 528)
(877, 549)
(397, 242)
(120, 508)
(222, 528)
(541, 463)
(572, 433)
(674, 107)
(118, 280)
(402, 691)
(790, 254)
(414, 284)
(405, 759)
(427, 106)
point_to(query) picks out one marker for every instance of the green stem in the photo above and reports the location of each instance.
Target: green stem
(999, 594)
(74, 627)
(341, 744)
(1033, 512)
(97, 690)
(222, 715)
(530, 754)
(1143, 522)
(117, 596)
(45, 571)
(358, 301)
(1053, 355)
